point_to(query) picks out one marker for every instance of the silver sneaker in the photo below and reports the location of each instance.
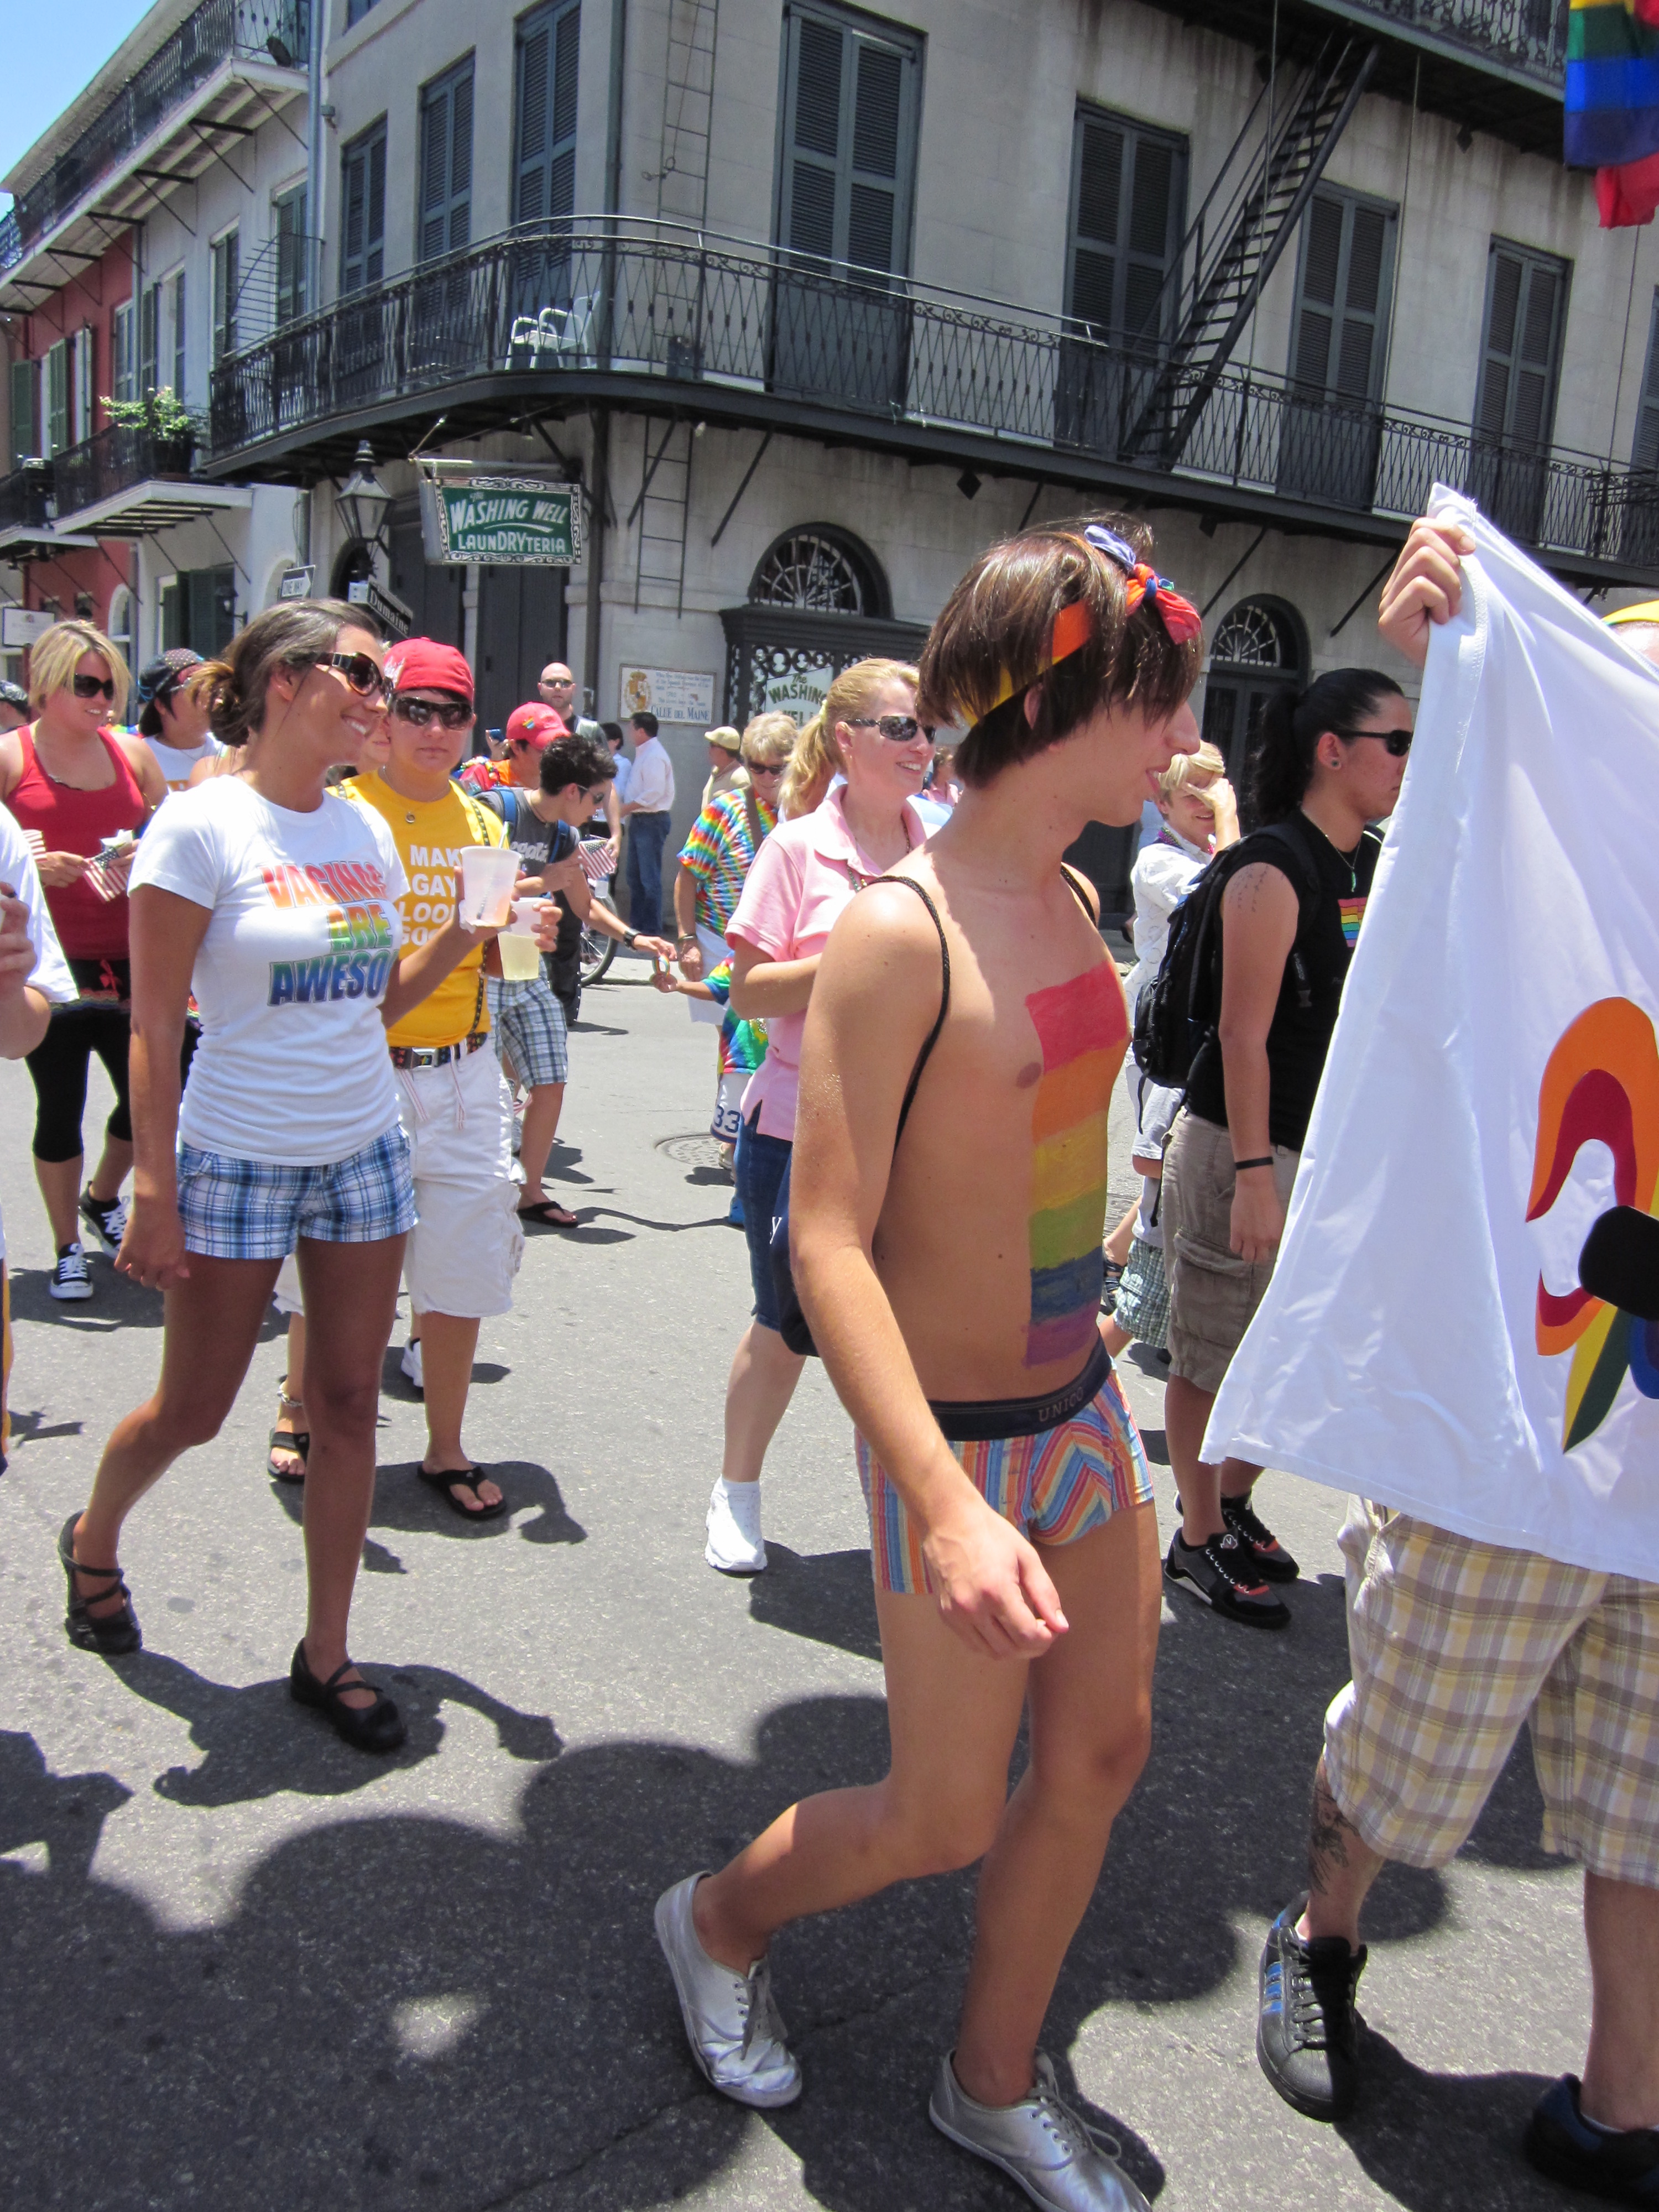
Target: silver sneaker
(1053, 2154)
(731, 2022)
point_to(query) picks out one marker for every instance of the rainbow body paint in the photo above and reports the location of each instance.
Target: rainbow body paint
(1084, 1030)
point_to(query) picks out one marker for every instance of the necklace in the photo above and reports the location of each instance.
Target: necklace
(1348, 859)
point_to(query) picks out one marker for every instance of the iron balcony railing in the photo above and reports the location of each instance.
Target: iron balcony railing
(1527, 35)
(219, 31)
(115, 459)
(26, 497)
(650, 302)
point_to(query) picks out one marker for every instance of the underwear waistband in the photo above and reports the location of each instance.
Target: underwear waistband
(992, 1420)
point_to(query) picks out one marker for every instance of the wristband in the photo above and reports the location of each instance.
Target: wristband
(686, 940)
(1265, 1161)
(631, 939)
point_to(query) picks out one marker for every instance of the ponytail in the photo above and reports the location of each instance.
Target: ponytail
(1280, 766)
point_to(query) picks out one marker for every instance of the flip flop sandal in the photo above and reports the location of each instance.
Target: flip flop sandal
(299, 1441)
(549, 1214)
(449, 1480)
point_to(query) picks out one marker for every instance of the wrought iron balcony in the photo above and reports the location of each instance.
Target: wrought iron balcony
(651, 319)
(26, 497)
(219, 31)
(1529, 35)
(129, 481)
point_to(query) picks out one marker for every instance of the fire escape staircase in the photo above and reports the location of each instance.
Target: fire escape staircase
(1250, 212)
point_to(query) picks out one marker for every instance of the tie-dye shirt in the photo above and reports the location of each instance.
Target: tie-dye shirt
(720, 851)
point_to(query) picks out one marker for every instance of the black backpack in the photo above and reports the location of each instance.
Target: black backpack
(1176, 1011)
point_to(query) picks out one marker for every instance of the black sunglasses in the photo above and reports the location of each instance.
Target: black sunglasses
(94, 687)
(1398, 742)
(418, 713)
(766, 768)
(897, 729)
(366, 677)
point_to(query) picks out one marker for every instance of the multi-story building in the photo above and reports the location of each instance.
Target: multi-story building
(811, 301)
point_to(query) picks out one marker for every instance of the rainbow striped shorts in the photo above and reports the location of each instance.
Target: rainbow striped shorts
(1055, 1486)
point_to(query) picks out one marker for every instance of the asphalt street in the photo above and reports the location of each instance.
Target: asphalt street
(244, 1965)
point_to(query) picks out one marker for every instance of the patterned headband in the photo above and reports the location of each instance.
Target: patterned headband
(1073, 627)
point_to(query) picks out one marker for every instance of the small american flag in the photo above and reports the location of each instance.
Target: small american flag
(596, 864)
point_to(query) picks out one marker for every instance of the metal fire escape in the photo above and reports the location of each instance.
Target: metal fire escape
(663, 508)
(1250, 215)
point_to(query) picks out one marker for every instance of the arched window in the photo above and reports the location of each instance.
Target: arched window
(120, 623)
(819, 569)
(1258, 648)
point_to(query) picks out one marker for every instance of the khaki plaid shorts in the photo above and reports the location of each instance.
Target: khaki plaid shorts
(1454, 1644)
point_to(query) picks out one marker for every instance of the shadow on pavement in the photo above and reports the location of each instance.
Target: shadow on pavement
(404, 1503)
(403, 2009)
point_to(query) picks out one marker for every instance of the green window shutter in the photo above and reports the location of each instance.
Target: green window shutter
(362, 210)
(544, 155)
(445, 163)
(58, 425)
(123, 363)
(1520, 346)
(227, 275)
(25, 411)
(1646, 453)
(180, 330)
(847, 170)
(149, 319)
(1339, 328)
(292, 272)
(1128, 191)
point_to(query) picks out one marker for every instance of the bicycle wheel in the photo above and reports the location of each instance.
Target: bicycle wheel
(598, 952)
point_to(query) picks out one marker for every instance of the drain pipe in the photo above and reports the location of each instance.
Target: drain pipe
(599, 472)
(313, 251)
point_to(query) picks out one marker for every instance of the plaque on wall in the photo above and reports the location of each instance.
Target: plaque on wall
(672, 694)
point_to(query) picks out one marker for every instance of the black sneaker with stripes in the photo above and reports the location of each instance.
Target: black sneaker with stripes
(1268, 1556)
(1220, 1572)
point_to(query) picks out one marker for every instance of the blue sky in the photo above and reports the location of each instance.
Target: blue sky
(41, 79)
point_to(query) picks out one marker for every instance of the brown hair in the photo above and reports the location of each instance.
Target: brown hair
(59, 652)
(817, 762)
(291, 635)
(998, 624)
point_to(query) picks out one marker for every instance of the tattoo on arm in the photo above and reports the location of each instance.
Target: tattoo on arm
(1328, 1838)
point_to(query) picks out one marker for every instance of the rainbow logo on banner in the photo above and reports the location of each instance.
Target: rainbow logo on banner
(1083, 1027)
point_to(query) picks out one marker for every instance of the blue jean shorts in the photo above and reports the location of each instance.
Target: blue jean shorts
(234, 1209)
(759, 1169)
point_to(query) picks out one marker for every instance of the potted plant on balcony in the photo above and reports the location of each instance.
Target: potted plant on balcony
(170, 424)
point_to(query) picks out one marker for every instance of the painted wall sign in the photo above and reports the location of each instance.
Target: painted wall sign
(800, 693)
(672, 694)
(516, 515)
(23, 626)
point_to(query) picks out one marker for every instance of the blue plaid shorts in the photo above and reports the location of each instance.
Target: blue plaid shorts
(236, 1209)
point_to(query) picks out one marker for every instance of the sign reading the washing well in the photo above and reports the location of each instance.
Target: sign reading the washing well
(516, 514)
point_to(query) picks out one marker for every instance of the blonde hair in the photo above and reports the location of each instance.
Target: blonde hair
(54, 660)
(817, 761)
(771, 738)
(1187, 767)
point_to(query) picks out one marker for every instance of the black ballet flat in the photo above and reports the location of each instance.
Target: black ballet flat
(379, 1727)
(113, 1634)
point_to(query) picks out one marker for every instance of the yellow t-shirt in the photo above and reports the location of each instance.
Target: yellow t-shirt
(429, 835)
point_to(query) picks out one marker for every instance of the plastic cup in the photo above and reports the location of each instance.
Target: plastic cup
(521, 959)
(488, 875)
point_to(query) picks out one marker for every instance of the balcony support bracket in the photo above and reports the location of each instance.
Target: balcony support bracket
(748, 478)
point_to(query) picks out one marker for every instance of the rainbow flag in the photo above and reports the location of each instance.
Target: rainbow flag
(1613, 83)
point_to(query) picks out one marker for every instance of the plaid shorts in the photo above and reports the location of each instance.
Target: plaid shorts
(236, 1209)
(526, 1026)
(1454, 1644)
(1143, 1296)
(1054, 1486)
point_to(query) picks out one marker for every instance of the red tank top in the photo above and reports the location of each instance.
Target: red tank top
(90, 926)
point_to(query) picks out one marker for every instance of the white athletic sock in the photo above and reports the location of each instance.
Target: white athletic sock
(744, 1500)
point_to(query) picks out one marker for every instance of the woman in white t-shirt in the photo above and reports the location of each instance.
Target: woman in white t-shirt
(276, 902)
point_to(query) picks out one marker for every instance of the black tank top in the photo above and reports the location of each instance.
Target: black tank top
(1300, 1034)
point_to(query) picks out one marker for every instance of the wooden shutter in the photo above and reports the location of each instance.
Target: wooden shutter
(149, 319)
(1340, 327)
(446, 171)
(1128, 189)
(25, 411)
(180, 330)
(57, 436)
(124, 364)
(847, 162)
(291, 259)
(1520, 352)
(227, 273)
(1646, 453)
(544, 163)
(362, 202)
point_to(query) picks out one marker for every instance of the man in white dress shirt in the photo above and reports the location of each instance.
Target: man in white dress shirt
(647, 810)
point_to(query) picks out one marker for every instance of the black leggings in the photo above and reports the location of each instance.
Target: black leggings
(58, 1065)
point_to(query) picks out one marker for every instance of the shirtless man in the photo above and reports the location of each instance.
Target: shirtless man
(1018, 1562)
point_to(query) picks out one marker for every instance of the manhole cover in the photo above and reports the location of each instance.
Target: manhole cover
(695, 1152)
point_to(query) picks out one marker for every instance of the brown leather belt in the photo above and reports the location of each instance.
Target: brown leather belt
(437, 1055)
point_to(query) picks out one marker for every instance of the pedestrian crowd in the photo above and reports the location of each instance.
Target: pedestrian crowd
(294, 878)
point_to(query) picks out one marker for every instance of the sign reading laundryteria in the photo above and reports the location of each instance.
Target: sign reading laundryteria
(519, 514)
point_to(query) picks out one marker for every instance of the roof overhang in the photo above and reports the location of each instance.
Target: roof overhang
(241, 95)
(23, 541)
(156, 503)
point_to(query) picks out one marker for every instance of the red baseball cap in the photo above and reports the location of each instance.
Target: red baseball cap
(421, 663)
(535, 725)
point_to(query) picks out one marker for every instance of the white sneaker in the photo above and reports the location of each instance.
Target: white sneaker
(410, 1364)
(70, 1279)
(732, 2022)
(734, 1545)
(1051, 2151)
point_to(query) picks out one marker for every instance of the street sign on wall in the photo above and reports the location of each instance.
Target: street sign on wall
(387, 608)
(517, 514)
(672, 694)
(23, 626)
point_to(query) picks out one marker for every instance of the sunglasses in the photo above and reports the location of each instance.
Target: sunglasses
(366, 677)
(897, 729)
(1398, 742)
(418, 713)
(766, 768)
(94, 687)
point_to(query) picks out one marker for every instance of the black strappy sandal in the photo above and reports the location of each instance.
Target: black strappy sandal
(379, 1727)
(449, 1479)
(113, 1634)
(298, 1441)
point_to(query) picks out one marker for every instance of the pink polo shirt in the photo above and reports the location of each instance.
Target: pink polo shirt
(804, 878)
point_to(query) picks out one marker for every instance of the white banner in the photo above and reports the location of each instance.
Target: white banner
(1491, 1097)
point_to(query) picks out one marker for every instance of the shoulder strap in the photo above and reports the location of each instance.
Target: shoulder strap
(1291, 834)
(751, 808)
(925, 1053)
(475, 814)
(1081, 889)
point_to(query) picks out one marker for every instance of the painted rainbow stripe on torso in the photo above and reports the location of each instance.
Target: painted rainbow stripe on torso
(1083, 1027)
